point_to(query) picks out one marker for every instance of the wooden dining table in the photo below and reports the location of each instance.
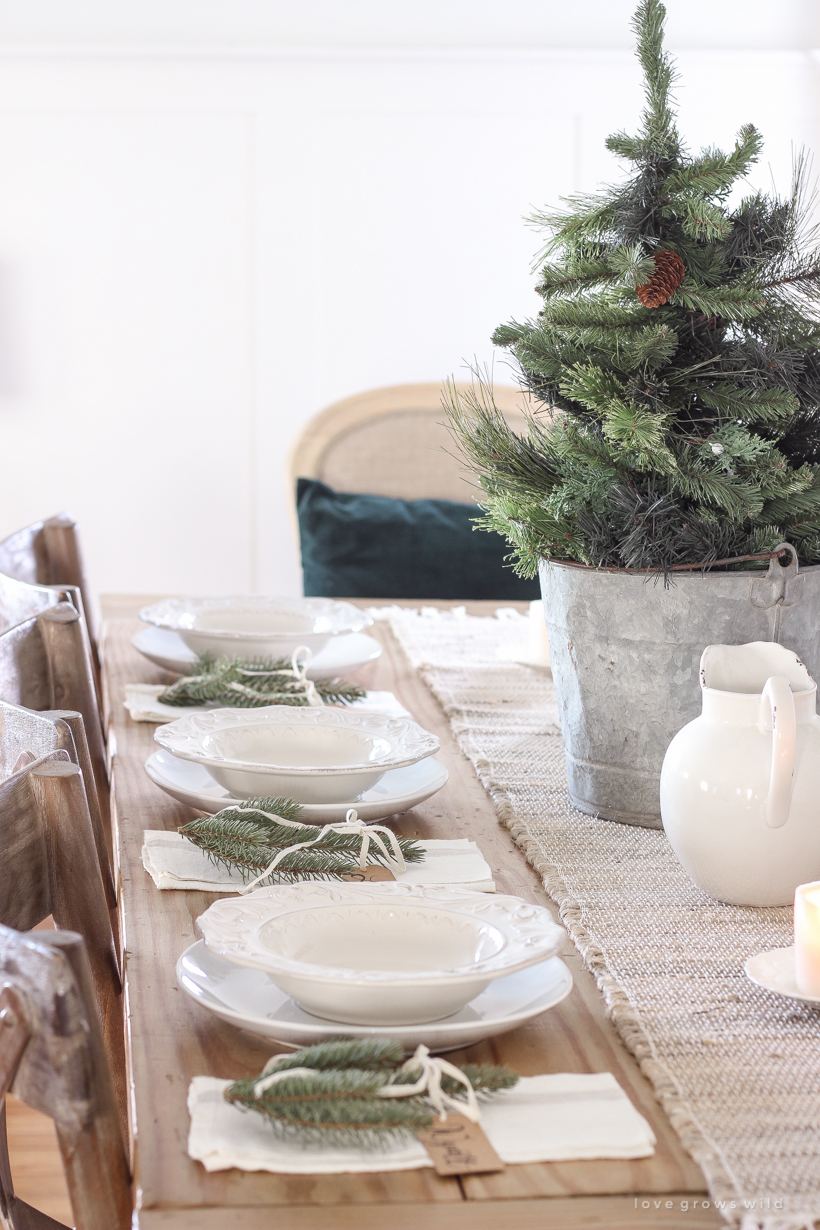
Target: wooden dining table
(170, 1039)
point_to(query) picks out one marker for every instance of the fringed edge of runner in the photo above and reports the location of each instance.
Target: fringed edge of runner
(626, 1020)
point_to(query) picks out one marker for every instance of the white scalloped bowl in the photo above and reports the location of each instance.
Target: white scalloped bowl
(315, 755)
(253, 625)
(387, 954)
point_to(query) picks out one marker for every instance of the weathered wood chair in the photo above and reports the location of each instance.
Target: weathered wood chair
(45, 664)
(55, 863)
(26, 736)
(48, 553)
(52, 1056)
(19, 601)
(50, 866)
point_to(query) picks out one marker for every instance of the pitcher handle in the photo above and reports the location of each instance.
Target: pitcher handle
(779, 695)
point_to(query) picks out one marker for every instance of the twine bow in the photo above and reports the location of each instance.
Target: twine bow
(302, 657)
(352, 825)
(429, 1082)
(298, 669)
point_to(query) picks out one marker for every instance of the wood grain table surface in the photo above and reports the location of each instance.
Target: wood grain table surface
(170, 1039)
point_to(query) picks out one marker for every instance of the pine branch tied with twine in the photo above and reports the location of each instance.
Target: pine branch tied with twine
(255, 683)
(362, 1093)
(263, 840)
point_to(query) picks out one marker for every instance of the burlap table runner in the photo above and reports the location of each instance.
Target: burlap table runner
(736, 1068)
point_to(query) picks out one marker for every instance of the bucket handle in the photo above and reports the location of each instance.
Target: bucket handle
(779, 696)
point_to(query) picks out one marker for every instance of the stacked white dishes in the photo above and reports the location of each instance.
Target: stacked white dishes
(442, 965)
(396, 792)
(326, 759)
(255, 626)
(299, 962)
(313, 755)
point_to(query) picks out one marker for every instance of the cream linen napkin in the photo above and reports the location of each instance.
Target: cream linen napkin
(174, 862)
(142, 703)
(554, 1118)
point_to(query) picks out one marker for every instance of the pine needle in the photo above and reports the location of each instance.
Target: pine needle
(252, 684)
(340, 1103)
(246, 839)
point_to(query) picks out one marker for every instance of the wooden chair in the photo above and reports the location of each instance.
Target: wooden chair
(20, 601)
(392, 441)
(45, 664)
(52, 1056)
(26, 736)
(48, 553)
(51, 867)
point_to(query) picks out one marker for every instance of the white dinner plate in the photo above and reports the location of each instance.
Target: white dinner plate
(247, 998)
(340, 656)
(397, 791)
(774, 970)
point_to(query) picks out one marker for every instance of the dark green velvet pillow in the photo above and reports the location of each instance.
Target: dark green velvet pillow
(370, 546)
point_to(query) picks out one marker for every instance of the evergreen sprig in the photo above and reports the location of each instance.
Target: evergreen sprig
(340, 1104)
(681, 433)
(252, 684)
(247, 840)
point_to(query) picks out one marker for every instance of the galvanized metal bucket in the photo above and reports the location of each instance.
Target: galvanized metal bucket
(625, 651)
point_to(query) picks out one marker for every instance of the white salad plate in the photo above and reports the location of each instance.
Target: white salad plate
(249, 1000)
(775, 971)
(397, 791)
(340, 656)
(313, 755)
(253, 625)
(380, 954)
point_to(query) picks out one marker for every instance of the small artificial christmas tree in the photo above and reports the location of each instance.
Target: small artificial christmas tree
(679, 349)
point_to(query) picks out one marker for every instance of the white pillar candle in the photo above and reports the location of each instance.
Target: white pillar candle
(539, 645)
(807, 938)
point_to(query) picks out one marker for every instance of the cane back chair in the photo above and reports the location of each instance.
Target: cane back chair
(392, 441)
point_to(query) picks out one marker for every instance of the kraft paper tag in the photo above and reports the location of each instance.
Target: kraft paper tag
(370, 875)
(459, 1146)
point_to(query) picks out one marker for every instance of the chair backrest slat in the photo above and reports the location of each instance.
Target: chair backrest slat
(29, 734)
(50, 863)
(20, 601)
(22, 730)
(25, 883)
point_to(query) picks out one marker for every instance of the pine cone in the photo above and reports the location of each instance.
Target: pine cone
(668, 275)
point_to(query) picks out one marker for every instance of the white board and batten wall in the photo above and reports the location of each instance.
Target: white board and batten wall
(209, 232)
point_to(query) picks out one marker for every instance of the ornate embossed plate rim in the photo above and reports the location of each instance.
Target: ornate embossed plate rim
(231, 927)
(340, 617)
(409, 741)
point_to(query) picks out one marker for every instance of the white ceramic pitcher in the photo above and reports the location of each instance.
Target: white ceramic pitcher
(740, 786)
